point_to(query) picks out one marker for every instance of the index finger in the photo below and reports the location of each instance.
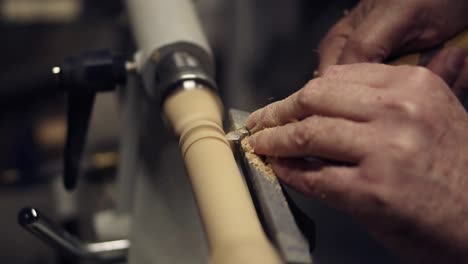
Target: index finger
(325, 137)
(321, 96)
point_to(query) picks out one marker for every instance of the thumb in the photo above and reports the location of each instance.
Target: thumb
(378, 35)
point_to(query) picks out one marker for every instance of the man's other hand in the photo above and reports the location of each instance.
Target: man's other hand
(377, 29)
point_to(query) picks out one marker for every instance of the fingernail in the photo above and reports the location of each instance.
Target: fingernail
(455, 59)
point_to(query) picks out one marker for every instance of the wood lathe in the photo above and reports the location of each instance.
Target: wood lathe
(173, 76)
(246, 214)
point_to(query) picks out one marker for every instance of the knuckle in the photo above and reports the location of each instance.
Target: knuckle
(415, 119)
(405, 144)
(427, 82)
(311, 185)
(304, 96)
(304, 135)
(303, 100)
(421, 78)
(301, 136)
(409, 109)
(413, 103)
(412, 110)
(311, 86)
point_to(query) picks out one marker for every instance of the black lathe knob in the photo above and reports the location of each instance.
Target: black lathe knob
(81, 77)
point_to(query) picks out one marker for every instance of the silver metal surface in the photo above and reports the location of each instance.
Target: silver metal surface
(280, 224)
(238, 134)
(39, 225)
(178, 64)
(131, 66)
(108, 246)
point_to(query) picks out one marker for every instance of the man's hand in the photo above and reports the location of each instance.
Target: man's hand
(403, 136)
(376, 29)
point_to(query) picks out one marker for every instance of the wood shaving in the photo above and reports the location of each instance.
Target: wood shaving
(258, 162)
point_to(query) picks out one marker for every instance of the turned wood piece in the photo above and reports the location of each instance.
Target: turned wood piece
(227, 211)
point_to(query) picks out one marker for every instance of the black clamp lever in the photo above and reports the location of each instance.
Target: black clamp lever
(81, 77)
(114, 251)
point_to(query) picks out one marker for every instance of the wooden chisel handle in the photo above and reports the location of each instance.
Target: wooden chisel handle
(423, 58)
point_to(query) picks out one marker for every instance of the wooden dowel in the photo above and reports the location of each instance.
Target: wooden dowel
(228, 214)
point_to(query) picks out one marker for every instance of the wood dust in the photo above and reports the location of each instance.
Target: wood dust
(260, 164)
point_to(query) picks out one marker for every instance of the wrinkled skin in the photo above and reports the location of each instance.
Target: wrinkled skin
(403, 138)
(399, 133)
(378, 29)
(375, 29)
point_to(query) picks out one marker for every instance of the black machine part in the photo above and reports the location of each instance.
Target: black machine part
(43, 228)
(97, 71)
(171, 65)
(81, 77)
